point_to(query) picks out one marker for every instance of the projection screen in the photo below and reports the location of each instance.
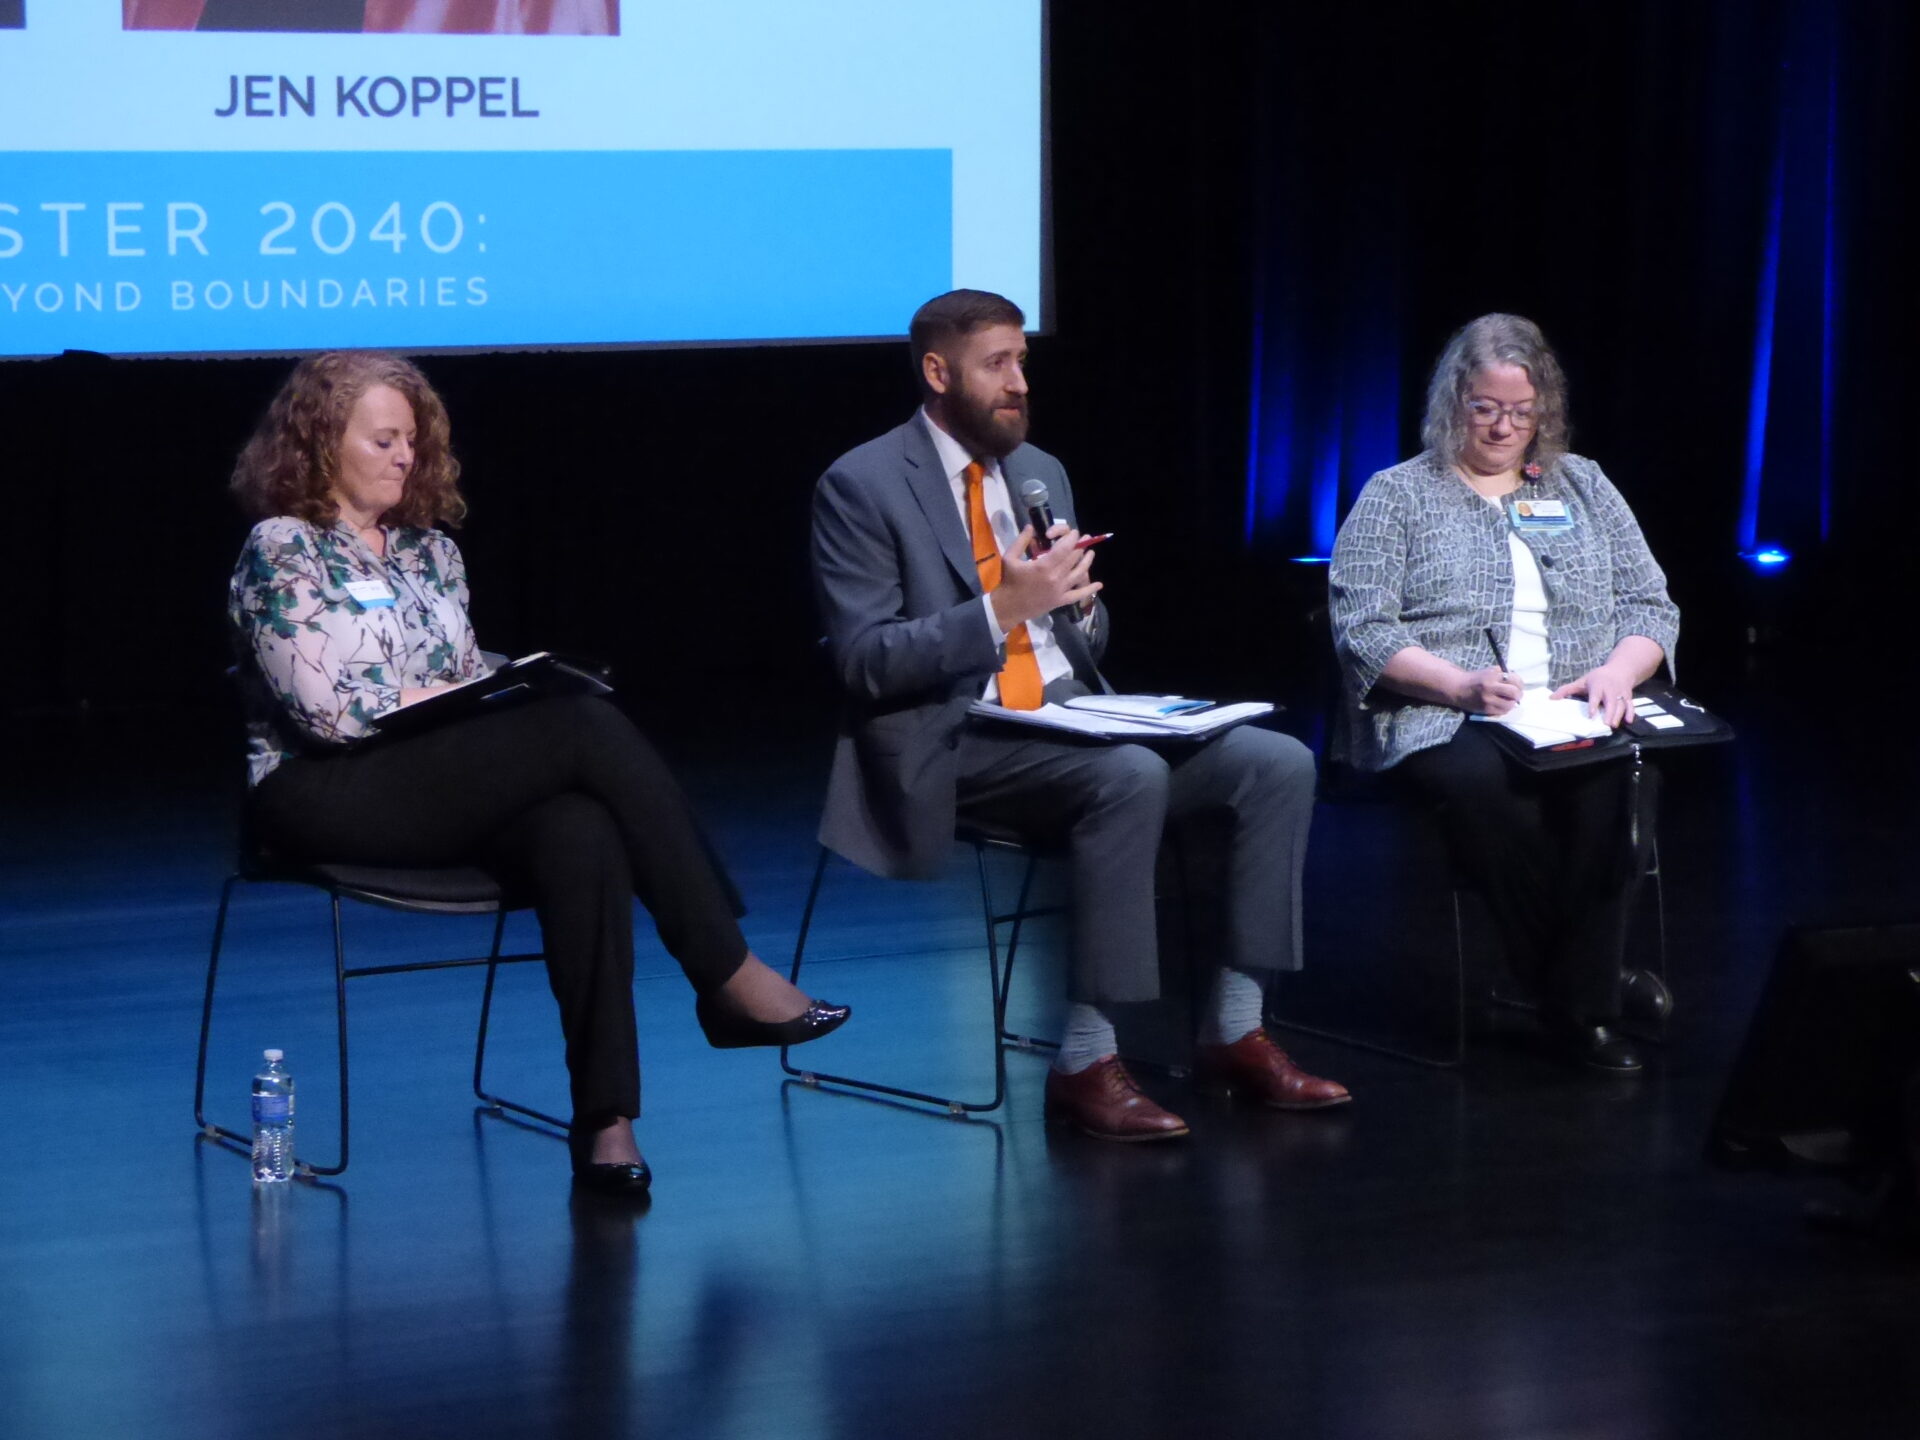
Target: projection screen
(265, 176)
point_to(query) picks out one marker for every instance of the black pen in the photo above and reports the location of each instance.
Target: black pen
(1499, 655)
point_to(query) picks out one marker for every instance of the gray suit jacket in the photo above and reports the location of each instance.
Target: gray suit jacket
(909, 642)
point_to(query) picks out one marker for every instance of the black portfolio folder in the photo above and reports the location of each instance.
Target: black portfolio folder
(1697, 726)
(527, 678)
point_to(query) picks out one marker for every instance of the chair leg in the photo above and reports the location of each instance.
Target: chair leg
(1459, 986)
(1655, 1031)
(480, 1039)
(486, 1010)
(806, 922)
(306, 1167)
(998, 979)
(207, 1127)
(845, 1082)
(341, 974)
(206, 1023)
(1659, 912)
(1019, 918)
(800, 951)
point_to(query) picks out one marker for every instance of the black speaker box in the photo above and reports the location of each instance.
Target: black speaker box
(1833, 1044)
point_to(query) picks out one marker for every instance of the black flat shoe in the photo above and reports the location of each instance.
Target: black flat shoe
(1582, 1042)
(1644, 997)
(631, 1180)
(726, 1030)
(622, 1177)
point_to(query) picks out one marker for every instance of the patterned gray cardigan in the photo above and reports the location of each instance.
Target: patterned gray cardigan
(1423, 560)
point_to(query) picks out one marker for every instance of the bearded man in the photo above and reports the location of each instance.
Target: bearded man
(931, 601)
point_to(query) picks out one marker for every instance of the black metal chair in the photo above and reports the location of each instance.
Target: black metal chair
(1347, 787)
(452, 891)
(983, 842)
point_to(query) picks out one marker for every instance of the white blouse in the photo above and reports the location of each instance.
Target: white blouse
(1528, 655)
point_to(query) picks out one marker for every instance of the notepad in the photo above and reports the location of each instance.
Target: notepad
(1542, 720)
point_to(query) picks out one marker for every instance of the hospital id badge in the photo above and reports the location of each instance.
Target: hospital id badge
(371, 594)
(1528, 515)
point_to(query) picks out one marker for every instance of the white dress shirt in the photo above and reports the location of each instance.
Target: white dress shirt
(954, 460)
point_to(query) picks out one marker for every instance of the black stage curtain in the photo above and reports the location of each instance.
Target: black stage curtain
(1237, 193)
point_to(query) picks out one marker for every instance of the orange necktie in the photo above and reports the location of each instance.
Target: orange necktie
(1019, 680)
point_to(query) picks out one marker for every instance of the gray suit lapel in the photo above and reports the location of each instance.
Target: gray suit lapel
(929, 487)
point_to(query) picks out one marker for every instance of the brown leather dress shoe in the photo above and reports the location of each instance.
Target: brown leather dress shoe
(1102, 1101)
(1259, 1069)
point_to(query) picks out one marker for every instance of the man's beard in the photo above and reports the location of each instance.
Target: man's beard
(976, 425)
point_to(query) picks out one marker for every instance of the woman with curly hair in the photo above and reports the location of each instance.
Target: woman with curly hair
(1492, 563)
(349, 602)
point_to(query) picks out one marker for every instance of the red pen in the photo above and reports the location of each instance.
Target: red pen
(1087, 542)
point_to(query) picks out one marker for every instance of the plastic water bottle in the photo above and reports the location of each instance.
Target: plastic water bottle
(273, 1121)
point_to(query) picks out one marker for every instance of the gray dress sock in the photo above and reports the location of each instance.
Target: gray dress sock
(1235, 1011)
(1088, 1037)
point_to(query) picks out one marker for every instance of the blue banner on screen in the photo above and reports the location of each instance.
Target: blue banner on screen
(154, 253)
(179, 177)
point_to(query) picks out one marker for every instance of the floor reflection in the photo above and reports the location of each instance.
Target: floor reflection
(1504, 1252)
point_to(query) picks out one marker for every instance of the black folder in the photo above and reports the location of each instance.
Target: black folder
(1698, 726)
(529, 677)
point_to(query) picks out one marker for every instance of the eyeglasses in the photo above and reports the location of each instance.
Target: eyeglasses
(1485, 412)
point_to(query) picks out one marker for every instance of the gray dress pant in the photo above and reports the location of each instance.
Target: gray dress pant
(1237, 806)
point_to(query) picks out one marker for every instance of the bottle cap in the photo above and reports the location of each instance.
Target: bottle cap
(276, 1056)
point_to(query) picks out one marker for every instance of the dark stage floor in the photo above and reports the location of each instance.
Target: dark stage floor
(1506, 1251)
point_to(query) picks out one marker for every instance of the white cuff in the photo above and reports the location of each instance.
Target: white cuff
(993, 622)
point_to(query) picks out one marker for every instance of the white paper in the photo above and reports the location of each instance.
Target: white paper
(1542, 720)
(1114, 727)
(1138, 707)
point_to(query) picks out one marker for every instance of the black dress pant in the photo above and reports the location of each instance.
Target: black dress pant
(1551, 853)
(563, 800)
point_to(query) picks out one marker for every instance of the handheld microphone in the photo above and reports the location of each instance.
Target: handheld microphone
(1033, 499)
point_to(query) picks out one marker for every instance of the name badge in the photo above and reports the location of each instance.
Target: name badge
(371, 594)
(1539, 515)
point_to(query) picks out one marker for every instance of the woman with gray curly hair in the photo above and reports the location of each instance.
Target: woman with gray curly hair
(1495, 562)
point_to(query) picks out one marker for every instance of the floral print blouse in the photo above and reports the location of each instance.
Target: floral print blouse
(327, 632)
